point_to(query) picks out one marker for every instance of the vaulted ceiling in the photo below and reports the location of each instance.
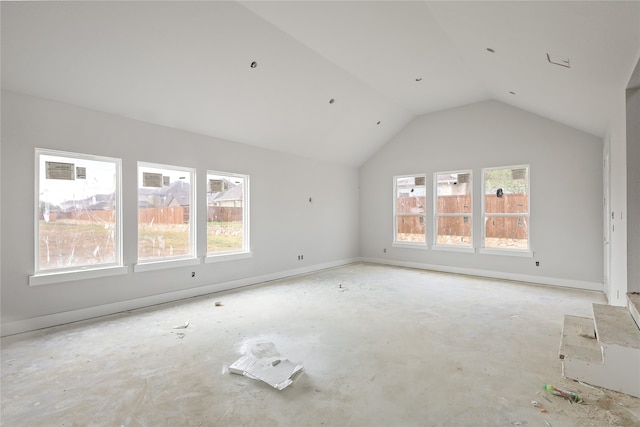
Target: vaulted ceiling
(332, 80)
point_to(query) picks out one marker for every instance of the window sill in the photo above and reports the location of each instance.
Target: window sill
(229, 256)
(159, 265)
(452, 248)
(508, 252)
(74, 275)
(409, 245)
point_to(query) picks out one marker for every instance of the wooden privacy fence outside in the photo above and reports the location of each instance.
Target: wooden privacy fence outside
(224, 214)
(170, 215)
(497, 227)
(88, 215)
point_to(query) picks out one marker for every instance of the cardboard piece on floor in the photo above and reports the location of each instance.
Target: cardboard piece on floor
(275, 371)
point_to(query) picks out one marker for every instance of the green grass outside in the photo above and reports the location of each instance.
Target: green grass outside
(71, 243)
(61, 238)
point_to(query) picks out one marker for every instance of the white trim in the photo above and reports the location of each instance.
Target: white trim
(395, 210)
(437, 215)
(193, 208)
(507, 215)
(506, 252)
(484, 215)
(453, 248)
(527, 278)
(171, 263)
(229, 256)
(40, 322)
(409, 245)
(71, 276)
(246, 225)
(118, 238)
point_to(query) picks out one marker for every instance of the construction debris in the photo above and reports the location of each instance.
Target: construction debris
(185, 326)
(218, 304)
(569, 395)
(264, 363)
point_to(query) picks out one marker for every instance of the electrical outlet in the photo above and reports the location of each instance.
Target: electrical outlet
(193, 274)
(537, 263)
(384, 250)
(301, 256)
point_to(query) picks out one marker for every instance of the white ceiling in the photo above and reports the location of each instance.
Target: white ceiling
(187, 64)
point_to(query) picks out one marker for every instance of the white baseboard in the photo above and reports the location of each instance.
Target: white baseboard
(543, 280)
(40, 322)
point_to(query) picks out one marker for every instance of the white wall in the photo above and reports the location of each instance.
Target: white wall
(633, 187)
(618, 184)
(283, 222)
(566, 191)
(619, 285)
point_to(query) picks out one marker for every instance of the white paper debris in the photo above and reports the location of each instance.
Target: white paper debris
(185, 326)
(273, 370)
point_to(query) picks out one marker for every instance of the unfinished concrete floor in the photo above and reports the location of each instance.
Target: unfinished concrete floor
(391, 347)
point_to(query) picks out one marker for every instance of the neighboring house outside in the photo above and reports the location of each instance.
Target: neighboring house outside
(232, 198)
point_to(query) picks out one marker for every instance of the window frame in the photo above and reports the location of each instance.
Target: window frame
(177, 260)
(57, 275)
(245, 252)
(528, 252)
(396, 215)
(450, 247)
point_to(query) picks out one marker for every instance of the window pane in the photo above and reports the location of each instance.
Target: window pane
(506, 190)
(410, 195)
(506, 232)
(454, 192)
(410, 209)
(454, 230)
(164, 212)
(411, 229)
(225, 213)
(77, 212)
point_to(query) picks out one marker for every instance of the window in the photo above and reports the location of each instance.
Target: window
(78, 212)
(506, 208)
(453, 209)
(166, 208)
(227, 213)
(410, 209)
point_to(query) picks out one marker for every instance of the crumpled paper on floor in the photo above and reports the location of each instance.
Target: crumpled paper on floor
(264, 363)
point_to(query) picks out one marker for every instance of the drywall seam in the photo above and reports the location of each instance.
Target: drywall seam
(40, 322)
(552, 281)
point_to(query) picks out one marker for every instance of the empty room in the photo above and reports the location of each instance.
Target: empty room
(320, 213)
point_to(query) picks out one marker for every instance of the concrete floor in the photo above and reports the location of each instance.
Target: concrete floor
(392, 347)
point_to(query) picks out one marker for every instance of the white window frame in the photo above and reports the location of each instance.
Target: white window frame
(441, 246)
(245, 252)
(507, 251)
(58, 275)
(396, 215)
(177, 260)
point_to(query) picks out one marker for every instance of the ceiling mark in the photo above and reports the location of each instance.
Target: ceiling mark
(491, 50)
(558, 60)
(331, 101)
(419, 79)
(512, 92)
(254, 64)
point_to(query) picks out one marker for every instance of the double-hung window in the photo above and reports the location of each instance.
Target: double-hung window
(227, 214)
(410, 210)
(78, 213)
(453, 209)
(506, 208)
(166, 213)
